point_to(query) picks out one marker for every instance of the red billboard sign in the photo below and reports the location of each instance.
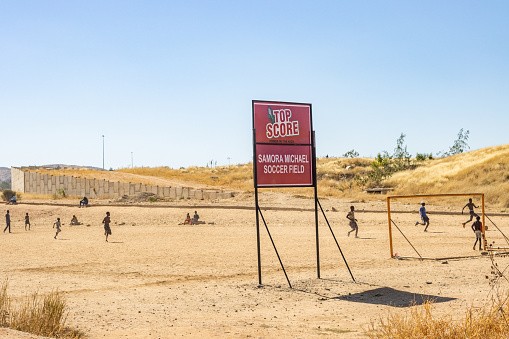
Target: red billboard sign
(281, 123)
(283, 144)
(284, 165)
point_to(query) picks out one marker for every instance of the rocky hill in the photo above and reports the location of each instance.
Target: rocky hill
(5, 174)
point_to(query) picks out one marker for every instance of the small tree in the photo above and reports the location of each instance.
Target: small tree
(402, 159)
(423, 156)
(460, 145)
(351, 154)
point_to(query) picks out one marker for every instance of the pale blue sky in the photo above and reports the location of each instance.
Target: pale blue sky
(172, 81)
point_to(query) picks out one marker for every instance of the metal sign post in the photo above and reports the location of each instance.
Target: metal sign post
(283, 155)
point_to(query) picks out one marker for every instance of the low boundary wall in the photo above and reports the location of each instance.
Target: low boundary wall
(24, 181)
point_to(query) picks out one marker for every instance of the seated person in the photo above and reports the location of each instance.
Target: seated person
(188, 219)
(13, 200)
(84, 202)
(195, 218)
(74, 220)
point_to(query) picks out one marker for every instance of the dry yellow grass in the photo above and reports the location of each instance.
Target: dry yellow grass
(482, 171)
(486, 322)
(40, 315)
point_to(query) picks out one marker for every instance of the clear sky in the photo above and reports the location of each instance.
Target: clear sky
(171, 82)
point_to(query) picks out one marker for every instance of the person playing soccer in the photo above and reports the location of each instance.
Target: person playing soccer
(424, 217)
(353, 222)
(470, 206)
(57, 224)
(27, 222)
(106, 222)
(477, 228)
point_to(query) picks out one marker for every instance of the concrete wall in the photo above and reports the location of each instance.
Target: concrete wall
(17, 180)
(24, 181)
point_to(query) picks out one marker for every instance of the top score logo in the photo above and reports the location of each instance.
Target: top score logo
(280, 124)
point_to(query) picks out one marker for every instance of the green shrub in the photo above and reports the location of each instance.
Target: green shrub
(8, 194)
(423, 156)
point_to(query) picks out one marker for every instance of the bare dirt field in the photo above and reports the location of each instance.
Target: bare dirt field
(158, 279)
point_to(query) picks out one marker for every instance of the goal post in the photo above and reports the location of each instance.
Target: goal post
(481, 195)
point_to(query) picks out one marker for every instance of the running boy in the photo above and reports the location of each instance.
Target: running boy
(57, 224)
(477, 228)
(470, 206)
(424, 217)
(353, 222)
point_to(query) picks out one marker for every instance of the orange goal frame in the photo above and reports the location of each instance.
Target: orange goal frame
(430, 196)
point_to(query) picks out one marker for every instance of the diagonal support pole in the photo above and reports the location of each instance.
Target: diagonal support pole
(506, 239)
(274, 245)
(406, 239)
(330, 228)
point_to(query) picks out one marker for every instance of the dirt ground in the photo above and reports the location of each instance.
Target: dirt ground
(158, 279)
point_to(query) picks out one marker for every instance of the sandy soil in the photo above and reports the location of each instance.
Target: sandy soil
(158, 279)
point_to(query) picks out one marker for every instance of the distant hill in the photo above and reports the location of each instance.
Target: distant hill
(5, 174)
(62, 166)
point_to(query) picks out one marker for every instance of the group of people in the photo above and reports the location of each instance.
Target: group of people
(193, 220)
(58, 225)
(8, 222)
(106, 221)
(476, 225)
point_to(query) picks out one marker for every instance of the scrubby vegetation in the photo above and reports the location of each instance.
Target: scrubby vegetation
(488, 321)
(8, 194)
(40, 315)
(420, 322)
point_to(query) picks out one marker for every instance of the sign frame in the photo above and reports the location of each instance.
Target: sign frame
(309, 142)
(300, 144)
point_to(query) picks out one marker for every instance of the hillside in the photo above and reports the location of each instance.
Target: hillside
(481, 171)
(5, 174)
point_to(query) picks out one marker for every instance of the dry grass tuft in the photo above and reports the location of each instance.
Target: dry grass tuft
(486, 322)
(4, 305)
(39, 315)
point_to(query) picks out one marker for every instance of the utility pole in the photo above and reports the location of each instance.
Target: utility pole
(132, 162)
(103, 152)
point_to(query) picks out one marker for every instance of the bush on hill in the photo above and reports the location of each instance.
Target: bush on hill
(8, 194)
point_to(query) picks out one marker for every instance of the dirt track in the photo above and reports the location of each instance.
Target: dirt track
(156, 278)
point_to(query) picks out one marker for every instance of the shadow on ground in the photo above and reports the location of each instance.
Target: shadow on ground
(390, 297)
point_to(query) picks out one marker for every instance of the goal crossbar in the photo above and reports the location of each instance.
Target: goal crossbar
(481, 195)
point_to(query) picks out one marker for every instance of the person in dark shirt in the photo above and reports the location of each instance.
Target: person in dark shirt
(84, 202)
(106, 222)
(8, 222)
(27, 222)
(477, 228)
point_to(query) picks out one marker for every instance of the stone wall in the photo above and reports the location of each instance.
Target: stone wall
(17, 180)
(24, 181)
